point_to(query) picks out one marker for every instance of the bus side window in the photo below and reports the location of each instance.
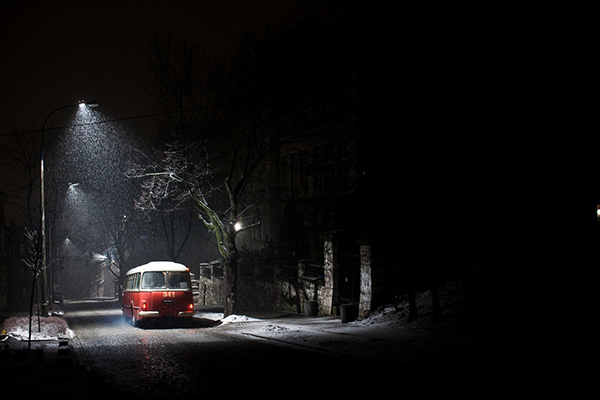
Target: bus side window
(133, 282)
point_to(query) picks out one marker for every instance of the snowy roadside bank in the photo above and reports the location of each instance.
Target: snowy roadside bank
(51, 328)
(388, 334)
(392, 318)
(383, 337)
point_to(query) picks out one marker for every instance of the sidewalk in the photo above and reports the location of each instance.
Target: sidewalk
(46, 371)
(49, 370)
(475, 359)
(386, 341)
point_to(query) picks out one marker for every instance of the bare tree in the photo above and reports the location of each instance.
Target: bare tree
(170, 223)
(195, 96)
(185, 175)
(233, 121)
(180, 87)
(33, 261)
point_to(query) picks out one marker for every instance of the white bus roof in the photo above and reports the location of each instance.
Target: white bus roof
(158, 266)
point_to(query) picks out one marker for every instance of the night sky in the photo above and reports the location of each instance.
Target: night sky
(58, 52)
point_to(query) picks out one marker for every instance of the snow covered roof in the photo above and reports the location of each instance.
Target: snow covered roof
(158, 266)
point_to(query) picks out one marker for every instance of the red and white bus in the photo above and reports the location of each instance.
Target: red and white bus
(158, 289)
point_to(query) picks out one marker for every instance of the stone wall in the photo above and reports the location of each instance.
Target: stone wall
(255, 291)
(290, 291)
(210, 284)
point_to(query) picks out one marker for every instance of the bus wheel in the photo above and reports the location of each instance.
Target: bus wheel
(134, 322)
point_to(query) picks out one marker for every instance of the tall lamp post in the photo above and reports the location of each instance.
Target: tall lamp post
(45, 304)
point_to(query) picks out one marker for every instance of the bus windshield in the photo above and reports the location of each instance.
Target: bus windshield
(159, 280)
(153, 280)
(179, 280)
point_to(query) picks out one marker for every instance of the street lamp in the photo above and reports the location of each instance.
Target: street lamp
(90, 104)
(45, 305)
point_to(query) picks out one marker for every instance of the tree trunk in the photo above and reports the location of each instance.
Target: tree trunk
(230, 272)
(31, 311)
(230, 280)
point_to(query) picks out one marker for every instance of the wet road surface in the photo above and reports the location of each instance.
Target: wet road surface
(202, 359)
(209, 359)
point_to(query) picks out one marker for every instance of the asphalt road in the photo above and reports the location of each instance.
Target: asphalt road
(202, 359)
(207, 359)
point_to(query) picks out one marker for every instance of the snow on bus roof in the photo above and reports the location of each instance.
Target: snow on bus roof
(158, 266)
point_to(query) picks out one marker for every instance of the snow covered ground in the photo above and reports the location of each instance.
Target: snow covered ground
(389, 317)
(51, 328)
(385, 335)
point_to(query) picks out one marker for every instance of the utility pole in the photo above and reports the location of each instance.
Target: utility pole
(44, 284)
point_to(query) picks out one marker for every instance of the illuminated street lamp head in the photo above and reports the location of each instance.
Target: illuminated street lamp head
(91, 104)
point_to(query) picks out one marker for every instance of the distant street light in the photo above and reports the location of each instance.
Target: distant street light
(45, 304)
